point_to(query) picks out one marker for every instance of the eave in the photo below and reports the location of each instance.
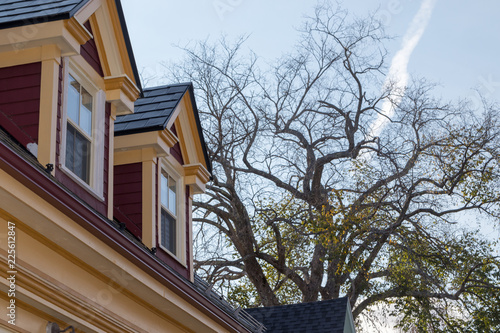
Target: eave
(44, 18)
(41, 183)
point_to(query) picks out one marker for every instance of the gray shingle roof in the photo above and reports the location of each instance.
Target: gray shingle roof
(246, 320)
(315, 317)
(152, 112)
(15, 13)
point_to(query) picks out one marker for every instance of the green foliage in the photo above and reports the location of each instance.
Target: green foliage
(460, 266)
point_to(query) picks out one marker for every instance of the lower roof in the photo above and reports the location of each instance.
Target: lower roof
(152, 111)
(314, 317)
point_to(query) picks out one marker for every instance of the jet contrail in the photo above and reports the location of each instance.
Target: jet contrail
(398, 72)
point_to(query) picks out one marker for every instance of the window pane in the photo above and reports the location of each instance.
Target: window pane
(73, 102)
(77, 153)
(164, 190)
(86, 100)
(70, 147)
(83, 145)
(172, 195)
(86, 121)
(168, 231)
(86, 112)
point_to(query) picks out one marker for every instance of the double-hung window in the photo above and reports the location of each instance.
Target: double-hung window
(79, 130)
(83, 129)
(169, 213)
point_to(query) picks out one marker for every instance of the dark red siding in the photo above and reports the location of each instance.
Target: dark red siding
(172, 262)
(188, 222)
(90, 54)
(107, 138)
(20, 101)
(176, 149)
(128, 196)
(98, 205)
(59, 114)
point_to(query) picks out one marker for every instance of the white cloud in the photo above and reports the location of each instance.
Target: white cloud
(398, 72)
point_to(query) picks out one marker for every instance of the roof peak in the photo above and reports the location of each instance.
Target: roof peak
(190, 84)
(333, 300)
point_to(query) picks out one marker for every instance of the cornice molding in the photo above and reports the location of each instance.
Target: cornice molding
(123, 83)
(169, 137)
(78, 31)
(196, 176)
(31, 281)
(121, 92)
(197, 170)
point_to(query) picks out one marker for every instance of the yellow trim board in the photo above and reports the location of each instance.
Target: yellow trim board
(187, 131)
(153, 139)
(66, 34)
(27, 208)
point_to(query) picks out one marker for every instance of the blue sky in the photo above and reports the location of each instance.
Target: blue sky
(459, 47)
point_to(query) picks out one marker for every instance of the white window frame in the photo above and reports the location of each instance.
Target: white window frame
(96, 172)
(180, 236)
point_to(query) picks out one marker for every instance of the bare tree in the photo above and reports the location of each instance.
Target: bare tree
(309, 203)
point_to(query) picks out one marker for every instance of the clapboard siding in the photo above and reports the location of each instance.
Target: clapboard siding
(90, 53)
(128, 196)
(20, 101)
(188, 236)
(176, 149)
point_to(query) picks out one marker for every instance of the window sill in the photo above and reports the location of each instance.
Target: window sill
(80, 182)
(181, 262)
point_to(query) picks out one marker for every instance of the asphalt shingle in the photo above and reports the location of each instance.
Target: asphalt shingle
(152, 112)
(315, 317)
(15, 13)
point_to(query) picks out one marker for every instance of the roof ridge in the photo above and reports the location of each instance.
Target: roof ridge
(299, 304)
(169, 86)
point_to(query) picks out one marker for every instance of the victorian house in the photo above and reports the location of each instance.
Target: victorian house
(97, 177)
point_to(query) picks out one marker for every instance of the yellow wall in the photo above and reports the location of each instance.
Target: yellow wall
(66, 274)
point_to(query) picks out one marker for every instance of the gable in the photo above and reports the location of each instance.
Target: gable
(89, 51)
(111, 37)
(189, 131)
(93, 28)
(170, 109)
(109, 51)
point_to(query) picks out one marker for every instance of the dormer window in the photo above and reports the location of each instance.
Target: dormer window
(79, 130)
(168, 222)
(163, 145)
(83, 126)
